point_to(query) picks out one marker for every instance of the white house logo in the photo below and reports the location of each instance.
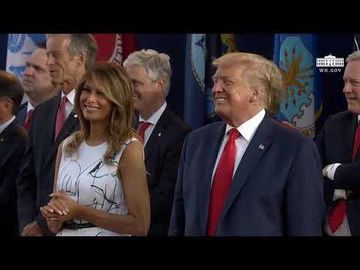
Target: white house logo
(330, 63)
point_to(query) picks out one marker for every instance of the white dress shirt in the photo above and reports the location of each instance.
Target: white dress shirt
(29, 107)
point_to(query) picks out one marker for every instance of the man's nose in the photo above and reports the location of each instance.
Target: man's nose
(28, 71)
(347, 87)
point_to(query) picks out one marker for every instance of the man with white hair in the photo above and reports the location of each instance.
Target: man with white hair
(162, 131)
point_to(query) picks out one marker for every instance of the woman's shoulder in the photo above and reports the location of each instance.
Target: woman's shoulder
(130, 140)
(124, 146)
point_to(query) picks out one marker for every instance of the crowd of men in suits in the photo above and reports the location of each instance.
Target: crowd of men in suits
(246, 175)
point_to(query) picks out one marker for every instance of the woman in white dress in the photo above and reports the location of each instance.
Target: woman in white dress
(100, 183)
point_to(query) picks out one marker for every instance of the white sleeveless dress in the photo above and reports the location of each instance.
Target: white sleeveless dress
(89, 181)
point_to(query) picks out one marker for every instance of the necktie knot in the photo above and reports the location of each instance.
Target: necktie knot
(28, 120)
(63, 101)
(233, 134)
(142, 128)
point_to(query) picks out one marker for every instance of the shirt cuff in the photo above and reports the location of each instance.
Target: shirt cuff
(330, 170)
(339, 194)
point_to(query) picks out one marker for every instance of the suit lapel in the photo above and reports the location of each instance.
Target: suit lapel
(20, 117)
(50, 120)
(67, 129)
(349, 133)
(49, 130)
(158, 132)
(255, 151)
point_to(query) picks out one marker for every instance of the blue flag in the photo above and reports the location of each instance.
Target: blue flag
(296, 55)
(19, 48)
(195, 96)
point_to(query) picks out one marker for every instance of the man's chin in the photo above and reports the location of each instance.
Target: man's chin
(221, 114)
(137, 107)
(28, 90)
(354, 109)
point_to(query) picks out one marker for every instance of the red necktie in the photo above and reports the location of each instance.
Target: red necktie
(28, 119)
(222, 181)
(60, 117)
(141, 129)
(338, 212)
(356, 142)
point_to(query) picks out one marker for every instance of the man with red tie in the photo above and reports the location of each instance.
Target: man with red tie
(162, 131)
(37, 85)
(247, 175)
(338, 144)
(69, 56)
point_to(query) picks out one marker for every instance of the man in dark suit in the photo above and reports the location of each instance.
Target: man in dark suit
(338, 144)
(69, 56)
(162, 131)
(248, 175)
(37, 85)
(12, 148)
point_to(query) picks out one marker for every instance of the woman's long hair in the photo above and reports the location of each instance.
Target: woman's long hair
(117, 87)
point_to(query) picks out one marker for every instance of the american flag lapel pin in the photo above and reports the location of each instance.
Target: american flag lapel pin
(261, 146)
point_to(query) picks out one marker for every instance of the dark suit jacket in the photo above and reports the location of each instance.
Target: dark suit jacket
(36, 178)
(277, 188)
(12, 148)
(162, 153)
(21, 115)
(335, 144)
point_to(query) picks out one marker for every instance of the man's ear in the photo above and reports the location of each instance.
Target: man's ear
(161, 84)
(257, 94)
(81, 58)
(8, 103)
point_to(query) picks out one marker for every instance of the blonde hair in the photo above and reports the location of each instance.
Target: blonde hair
(117, 87)
(259, 72)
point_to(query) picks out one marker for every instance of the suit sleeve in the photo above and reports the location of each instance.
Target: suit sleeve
(26, 188)
(304, 193)
(162, 194)
(347, 176)
(177, 220)
(8, 193)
